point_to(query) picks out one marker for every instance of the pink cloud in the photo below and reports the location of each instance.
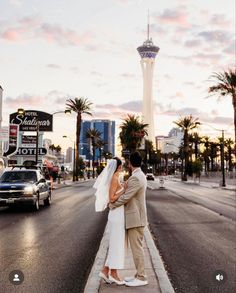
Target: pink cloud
(24, 100)
(11, 35)
(32, 27)
(174, 16)
(57, 34)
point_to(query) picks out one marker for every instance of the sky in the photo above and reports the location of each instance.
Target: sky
(59, 49)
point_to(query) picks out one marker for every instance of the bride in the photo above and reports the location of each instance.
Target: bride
(109, 189)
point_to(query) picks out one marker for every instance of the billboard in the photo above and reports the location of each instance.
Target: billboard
(32, 118)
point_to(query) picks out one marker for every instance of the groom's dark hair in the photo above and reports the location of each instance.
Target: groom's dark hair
(135, 159)
(118, 162)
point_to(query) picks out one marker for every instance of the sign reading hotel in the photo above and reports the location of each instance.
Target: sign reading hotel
(30, 119)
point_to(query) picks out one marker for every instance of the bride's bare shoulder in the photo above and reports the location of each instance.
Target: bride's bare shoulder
(114, 179)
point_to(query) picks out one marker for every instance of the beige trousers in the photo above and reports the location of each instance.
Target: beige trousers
(135, 236)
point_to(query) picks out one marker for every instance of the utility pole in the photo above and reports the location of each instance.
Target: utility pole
(223, 159)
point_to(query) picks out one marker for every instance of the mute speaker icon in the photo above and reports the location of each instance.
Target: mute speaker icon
(219, 277)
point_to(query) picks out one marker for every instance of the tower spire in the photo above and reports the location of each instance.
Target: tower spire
(148, 29)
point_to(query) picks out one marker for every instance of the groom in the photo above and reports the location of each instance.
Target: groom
(134, 200)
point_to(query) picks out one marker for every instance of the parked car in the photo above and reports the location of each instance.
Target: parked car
(24, 186)
(150, 176)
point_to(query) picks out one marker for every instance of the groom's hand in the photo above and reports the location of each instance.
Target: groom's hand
(111, 206)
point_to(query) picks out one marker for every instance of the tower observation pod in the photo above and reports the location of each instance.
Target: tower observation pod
(148, 52)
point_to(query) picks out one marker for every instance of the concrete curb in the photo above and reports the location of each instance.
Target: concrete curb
(158, 266)
(93, 282)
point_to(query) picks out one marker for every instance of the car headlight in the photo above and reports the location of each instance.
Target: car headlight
(28, 190)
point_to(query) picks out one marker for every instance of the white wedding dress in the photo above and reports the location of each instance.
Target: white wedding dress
(116, 229)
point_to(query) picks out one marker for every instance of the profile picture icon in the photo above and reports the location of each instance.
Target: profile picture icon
(16, 277)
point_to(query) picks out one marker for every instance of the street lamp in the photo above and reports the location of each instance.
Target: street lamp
(222, 151)
(74, 175)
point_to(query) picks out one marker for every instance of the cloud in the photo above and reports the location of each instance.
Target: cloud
(131, 106)
(220, 21)
(64, 37)
(174, 16)
(53, 66)
(192, 43)
(215, 36)
(32, 28)
(24, 100)
(198, 59)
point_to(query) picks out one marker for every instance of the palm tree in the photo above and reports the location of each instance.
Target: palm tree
(58, 148)
(100, 144)
(187, 124)
(206, 153)
(228, 143)
(226, 86)
(93, 135)
(52, 147)
(213, 155)
(79, 106)
(196, 140)
(132, 132)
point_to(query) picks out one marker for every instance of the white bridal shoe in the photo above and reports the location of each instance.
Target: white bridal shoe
(128, 279)
(113, 280)
(104, 277)
(136, 283)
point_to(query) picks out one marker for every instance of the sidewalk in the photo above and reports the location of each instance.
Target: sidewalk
(158, 281)
(67, 183)
(208, 184)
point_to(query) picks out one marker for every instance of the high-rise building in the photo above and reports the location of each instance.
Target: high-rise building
(107, 129)
(69, 155)
(148, 52)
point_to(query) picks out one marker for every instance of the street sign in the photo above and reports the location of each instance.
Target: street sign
(31, 152)
(30, 119)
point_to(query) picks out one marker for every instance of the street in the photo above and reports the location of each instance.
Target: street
(194, 229)
(55, 247)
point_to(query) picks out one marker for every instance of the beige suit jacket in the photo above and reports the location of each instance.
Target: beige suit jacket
(134, 200)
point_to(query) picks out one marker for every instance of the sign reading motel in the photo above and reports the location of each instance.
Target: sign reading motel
(30, 119)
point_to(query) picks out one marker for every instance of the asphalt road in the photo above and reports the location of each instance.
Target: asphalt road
(55, 247)
(194, 231)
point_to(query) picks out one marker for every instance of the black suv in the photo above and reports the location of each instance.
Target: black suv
(24, 187)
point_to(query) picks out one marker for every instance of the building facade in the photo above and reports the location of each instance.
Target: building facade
(170, 143)
(107, 129)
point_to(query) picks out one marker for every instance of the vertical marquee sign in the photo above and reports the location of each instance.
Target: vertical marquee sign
(13, 140)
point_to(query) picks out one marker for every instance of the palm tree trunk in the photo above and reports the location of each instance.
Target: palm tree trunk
(78, 126)
(186, 156)
(234, 103)
(230, 159)
(93, 159)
